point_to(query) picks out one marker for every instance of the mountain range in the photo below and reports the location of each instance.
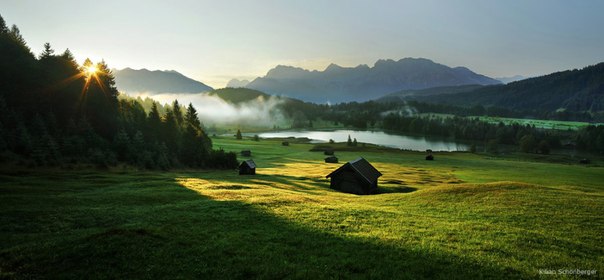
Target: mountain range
(361, 83)
(413, 79)
(153, 82)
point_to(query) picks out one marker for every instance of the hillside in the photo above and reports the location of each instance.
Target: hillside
(238, 95)
(410, 94)
(362, 83)
(572, 90)
(144, 81)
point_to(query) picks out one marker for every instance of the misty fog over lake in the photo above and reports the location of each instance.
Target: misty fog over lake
(374, 137)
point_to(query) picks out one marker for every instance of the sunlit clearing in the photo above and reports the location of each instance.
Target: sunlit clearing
(91, 70)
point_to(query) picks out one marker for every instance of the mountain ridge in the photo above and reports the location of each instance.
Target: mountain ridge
(362, 83)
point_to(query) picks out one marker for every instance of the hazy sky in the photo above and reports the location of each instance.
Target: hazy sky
(214, 41)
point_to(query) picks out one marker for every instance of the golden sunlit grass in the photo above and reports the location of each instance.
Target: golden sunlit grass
(507, 224)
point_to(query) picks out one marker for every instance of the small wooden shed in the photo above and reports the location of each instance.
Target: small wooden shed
(429, 156)
(356, 177)
(247, 167)
(331, 159)
(246, 153)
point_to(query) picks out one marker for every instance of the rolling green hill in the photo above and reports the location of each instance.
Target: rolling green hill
(421, 93)
(238, 95)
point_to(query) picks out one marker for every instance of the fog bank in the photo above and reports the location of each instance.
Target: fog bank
(211, 109)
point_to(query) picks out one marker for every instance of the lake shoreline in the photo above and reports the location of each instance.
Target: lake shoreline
(376, 137)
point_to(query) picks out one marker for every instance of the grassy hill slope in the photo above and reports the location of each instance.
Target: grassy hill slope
(461, 216)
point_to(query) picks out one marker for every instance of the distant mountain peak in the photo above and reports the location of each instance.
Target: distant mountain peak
(236, 83)
(157, 81)
(416, 59)
(515, 78)
(333, 67)
(281, 66)
(285, 72)
(383, 62)
(462, 68)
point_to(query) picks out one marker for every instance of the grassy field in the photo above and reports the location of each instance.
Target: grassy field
(461, 216)
(546, 124)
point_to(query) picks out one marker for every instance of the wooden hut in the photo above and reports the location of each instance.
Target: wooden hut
(331, 159)
(429, 156)
(247, 167)
(246, 153)
(356, 177)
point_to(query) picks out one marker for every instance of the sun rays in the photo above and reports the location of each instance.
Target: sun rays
(91, 70)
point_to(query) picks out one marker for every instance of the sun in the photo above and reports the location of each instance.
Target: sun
(91, 70)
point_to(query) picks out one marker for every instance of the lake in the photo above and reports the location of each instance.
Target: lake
(374, 137)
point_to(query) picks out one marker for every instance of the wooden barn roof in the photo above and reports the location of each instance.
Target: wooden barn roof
(249, 163)
(362, 167)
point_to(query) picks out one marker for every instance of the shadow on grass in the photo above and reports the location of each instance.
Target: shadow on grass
(187, 235)
(397, 189)
(390, 186)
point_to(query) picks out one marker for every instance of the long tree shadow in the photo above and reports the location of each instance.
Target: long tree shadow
(321, 184)
(188, 235)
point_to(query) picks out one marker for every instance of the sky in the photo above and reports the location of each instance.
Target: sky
(215, 41)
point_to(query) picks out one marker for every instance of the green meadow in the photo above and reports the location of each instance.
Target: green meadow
(460, 216)
(545, 124)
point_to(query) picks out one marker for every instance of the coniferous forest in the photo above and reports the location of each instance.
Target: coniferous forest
(57, 113)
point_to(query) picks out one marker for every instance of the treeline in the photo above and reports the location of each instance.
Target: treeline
(354, 114)
(591, 138)
(528, 138)
(55, 112)
(492, 111)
